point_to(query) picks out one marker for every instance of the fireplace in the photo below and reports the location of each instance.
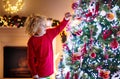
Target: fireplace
(15, 62)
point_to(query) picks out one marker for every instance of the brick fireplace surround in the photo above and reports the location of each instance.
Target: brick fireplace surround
(17, 37)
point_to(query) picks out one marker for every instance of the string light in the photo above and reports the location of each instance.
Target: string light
(10, 8)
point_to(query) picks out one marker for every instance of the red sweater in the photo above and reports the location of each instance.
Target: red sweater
(40, 51)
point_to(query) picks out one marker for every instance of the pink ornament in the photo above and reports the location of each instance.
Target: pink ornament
(98, 68)
(114, 44)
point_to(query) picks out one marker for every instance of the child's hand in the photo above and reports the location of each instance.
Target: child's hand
(67, 15)
(35, 77)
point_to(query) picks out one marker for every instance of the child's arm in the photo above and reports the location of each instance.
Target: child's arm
(31, 58)
(55, 31)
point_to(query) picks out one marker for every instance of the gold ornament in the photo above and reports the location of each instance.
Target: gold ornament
(110, 16)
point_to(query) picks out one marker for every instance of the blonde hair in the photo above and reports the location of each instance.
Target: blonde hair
(33, 22)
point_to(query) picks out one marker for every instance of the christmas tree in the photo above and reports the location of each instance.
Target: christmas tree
(92, 49)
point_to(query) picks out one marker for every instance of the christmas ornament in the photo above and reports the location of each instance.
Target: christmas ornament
(75, 5)
(106, 56)
(65, 46)
(83, 49)
(104, 73)
(78, 33)
(93, 55)
(75, 75)
(106, 34)
(67, 75)
(110, 16)
(78, 13)
(99, 68)
(76, 57)
(103, 13)
(92, 11)
(114, 44)
(77, 9)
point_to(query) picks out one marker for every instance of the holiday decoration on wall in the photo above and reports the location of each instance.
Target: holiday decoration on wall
(17, 21)
(92, 49)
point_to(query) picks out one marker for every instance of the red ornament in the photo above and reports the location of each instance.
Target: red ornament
(114, 44)
(76, 76)
(106, 34)
(67, 75)
(78, 32)
(84, 49)
(75, 57)
(106, 56)
(88, 14)
(92, 11)
(65, 46)
(93, 55)
(101, 73)
(97, 8)
(74, 5)
(104, 74)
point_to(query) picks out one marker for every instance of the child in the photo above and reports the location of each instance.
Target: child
(40, 50)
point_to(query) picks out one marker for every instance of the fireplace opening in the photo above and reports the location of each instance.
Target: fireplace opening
(15, 62)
